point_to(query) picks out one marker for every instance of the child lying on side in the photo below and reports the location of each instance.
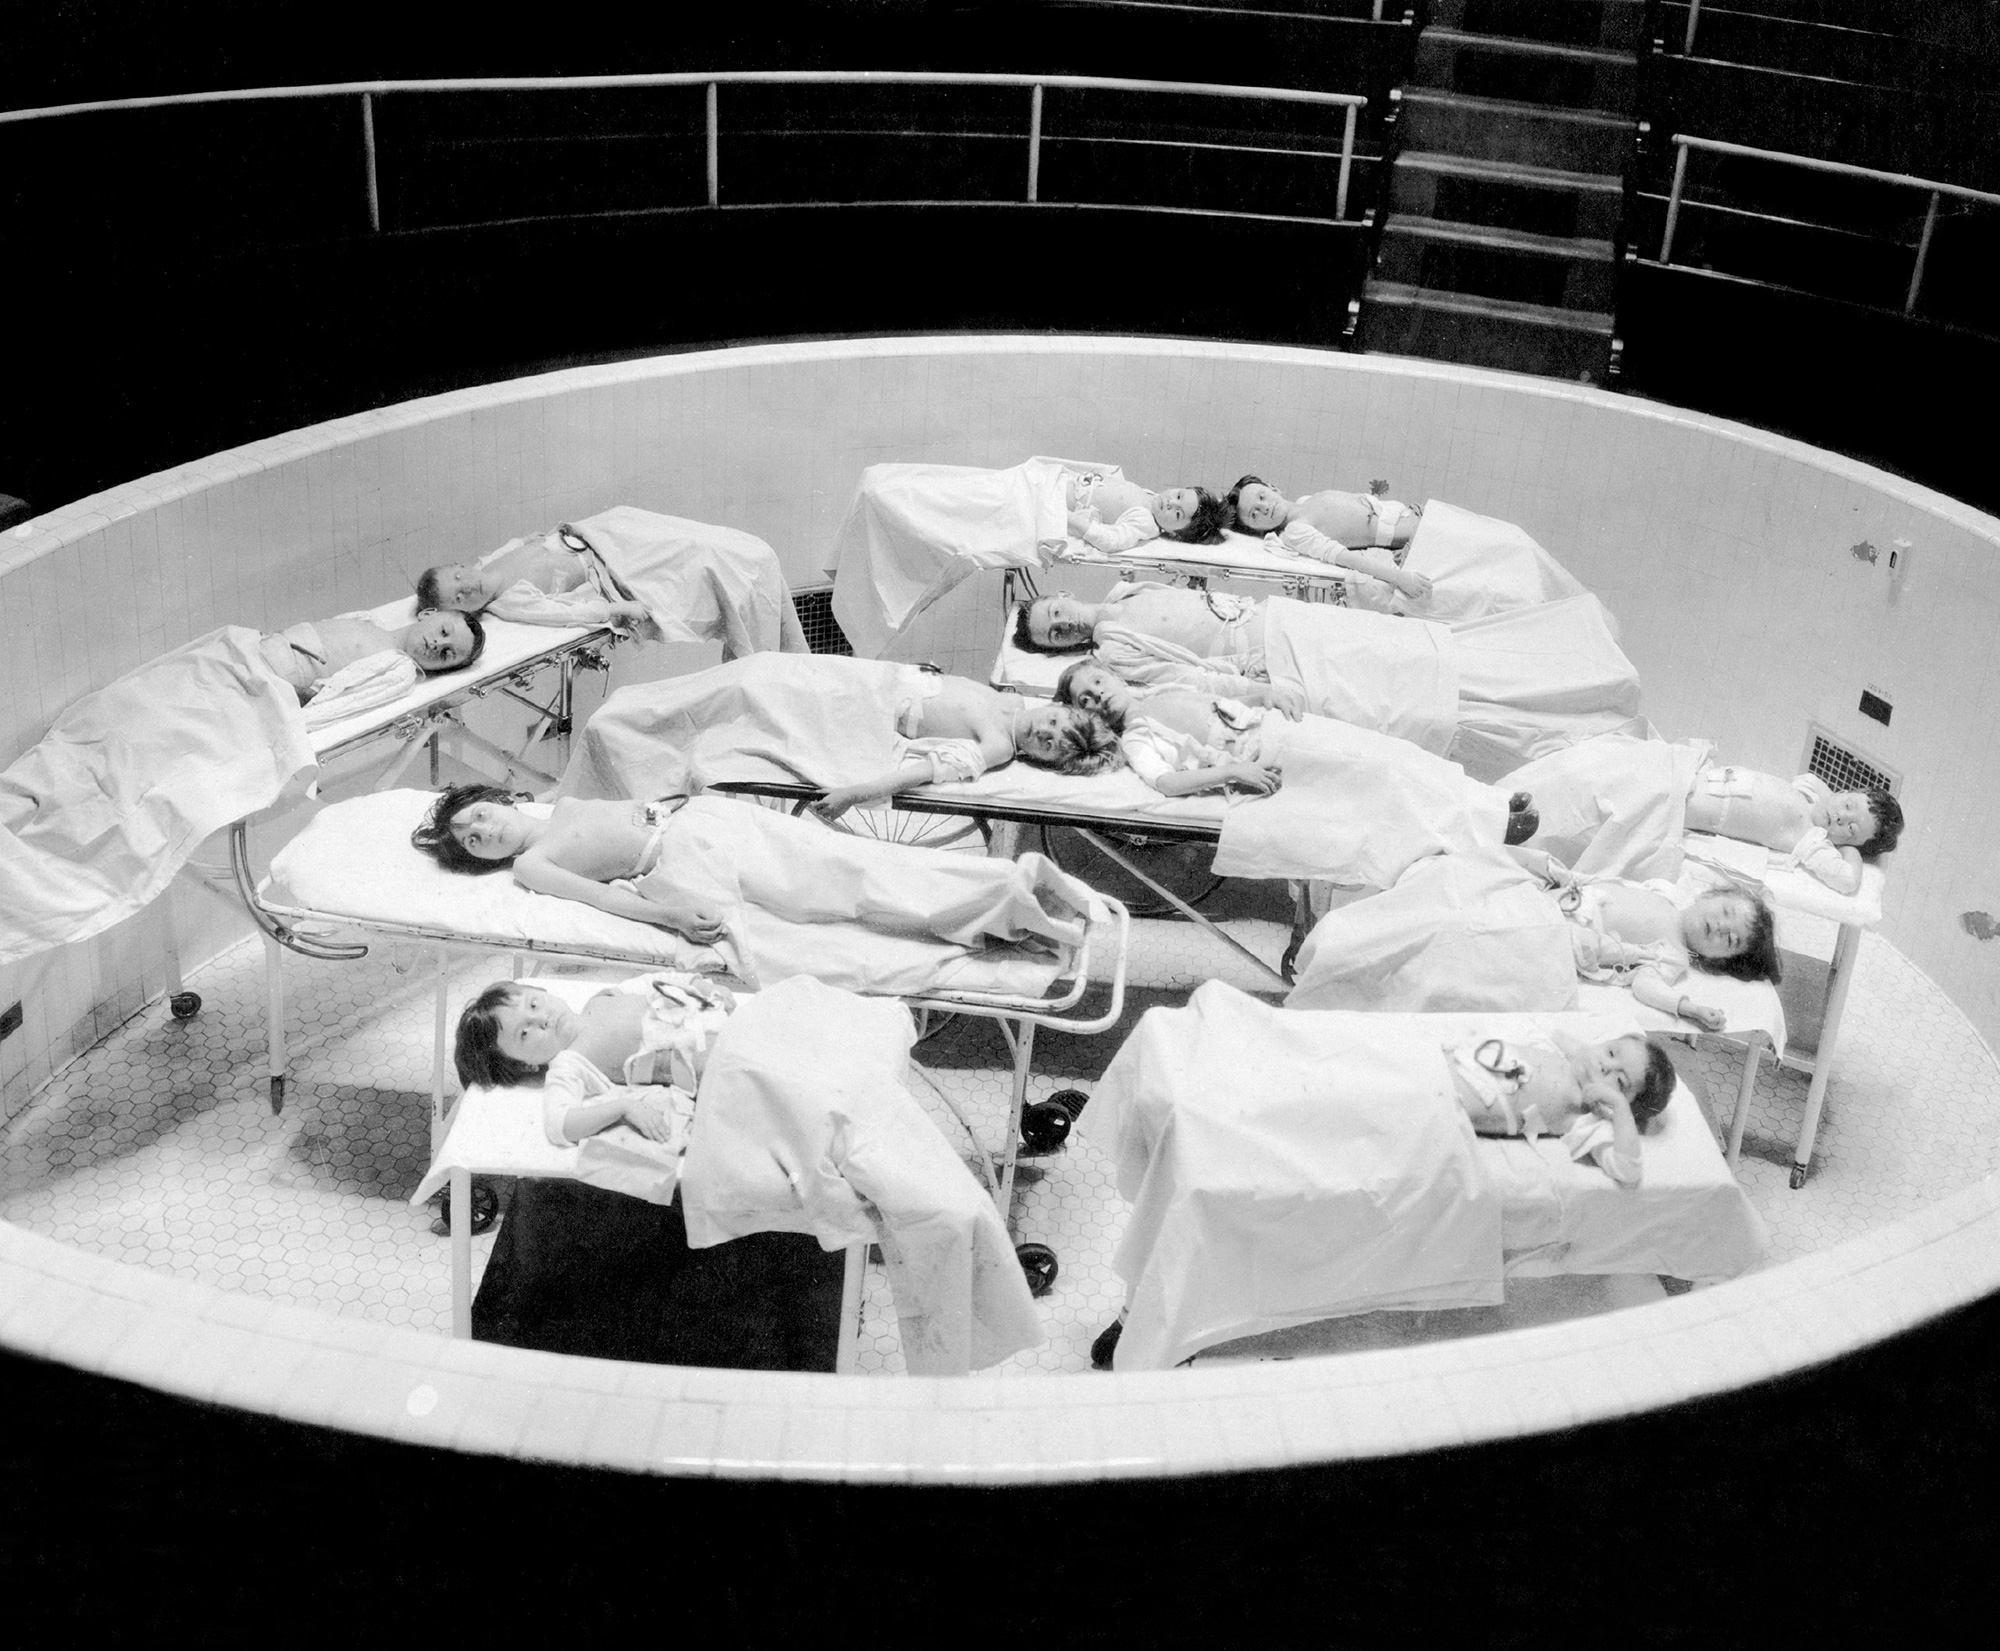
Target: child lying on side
(1595, 1097)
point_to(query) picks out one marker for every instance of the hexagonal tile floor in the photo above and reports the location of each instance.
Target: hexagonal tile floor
(158, 1147)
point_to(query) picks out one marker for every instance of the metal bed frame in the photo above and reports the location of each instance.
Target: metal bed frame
(1098, 830)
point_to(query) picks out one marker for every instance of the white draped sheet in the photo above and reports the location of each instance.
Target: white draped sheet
(698, 581)
(1478, 565)
(1284, 1168)
(815, 719)
(804, 1125)
(1614, 806)
(97, 817)
(915, 530)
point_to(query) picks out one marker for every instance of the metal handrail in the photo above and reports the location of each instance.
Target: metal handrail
(368, 90)
(1812, 163)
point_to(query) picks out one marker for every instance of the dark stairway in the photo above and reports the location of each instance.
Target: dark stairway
(1504, 202)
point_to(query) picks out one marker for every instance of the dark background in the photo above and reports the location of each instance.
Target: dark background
(178, 286)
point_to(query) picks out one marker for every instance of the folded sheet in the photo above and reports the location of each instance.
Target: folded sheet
(97, 817)
(804, 1125)
(1477, 565)
(699, 582)
(354, 860)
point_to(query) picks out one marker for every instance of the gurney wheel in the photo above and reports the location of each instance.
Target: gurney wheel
(485, 1211)
(1045, 1125)
(1798, 1176)
(184, 1005)
(1038, 1262)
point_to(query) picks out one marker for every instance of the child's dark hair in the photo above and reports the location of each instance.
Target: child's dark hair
(428, 593)
(1089, 746)
(1656, 1089)
(476, 1049)
(1888, 816)
(1236, 493)
(435, 838)
(478, 631)
(1211, 516)
(1759, 958)
(1025, 641)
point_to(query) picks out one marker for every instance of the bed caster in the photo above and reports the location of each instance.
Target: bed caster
(1106, 1345)
(1038, 1262)
(1798, 1176)
(1045, 1125)
(184, 1005)
(485, 1211)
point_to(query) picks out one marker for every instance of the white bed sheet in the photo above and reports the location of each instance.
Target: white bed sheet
(508, 648)
(1242, 1211)
(1791, 888)
(1237, 552)
(354, 860)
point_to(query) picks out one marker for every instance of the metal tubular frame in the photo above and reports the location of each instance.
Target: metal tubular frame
(1810, 163)
(367, 91)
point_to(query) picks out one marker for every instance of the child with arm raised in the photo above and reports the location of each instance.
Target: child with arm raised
(1597, 1098)
(1356, 531)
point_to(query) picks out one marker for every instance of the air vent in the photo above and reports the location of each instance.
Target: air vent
(815, 611)
(1844, 768)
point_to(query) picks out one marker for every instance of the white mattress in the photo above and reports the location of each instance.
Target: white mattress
(354, 860)
(508, 648)
(1792, 889)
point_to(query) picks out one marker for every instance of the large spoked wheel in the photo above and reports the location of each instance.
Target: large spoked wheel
(1180, 867)
(895, 825)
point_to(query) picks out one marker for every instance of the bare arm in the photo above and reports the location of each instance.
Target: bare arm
(1307, 540)
(536, 871)
(1652, 988)
(906, 777)
(628, 1106)
(1260, 779)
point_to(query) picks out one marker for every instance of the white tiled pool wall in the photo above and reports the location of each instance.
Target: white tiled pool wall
(1727, 555)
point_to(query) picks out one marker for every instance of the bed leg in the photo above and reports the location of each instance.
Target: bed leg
(274, 1018)
(181, 1003)
(437, 1068)
(433, 743)
(1839, 978)
(1746, 1086)
(848, 1351)
(461, 1253)
(1302, 922)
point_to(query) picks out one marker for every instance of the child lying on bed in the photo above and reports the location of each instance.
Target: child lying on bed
(1596, 1098)
(959, 728)
(1112, 514)
(549, 579)
(654, 1034)
(1350, 530)
(646, 861)
(310, 655)
(1649, 935)
(1615, 804)
(1181, 742)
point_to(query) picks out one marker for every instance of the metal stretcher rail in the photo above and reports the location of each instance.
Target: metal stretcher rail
(1097, 829)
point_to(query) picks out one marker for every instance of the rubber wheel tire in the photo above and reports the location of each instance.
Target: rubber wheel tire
(184, 1005)
(1038, 1262)
(485, 1211)
(1045, 1125)
(1182, 867)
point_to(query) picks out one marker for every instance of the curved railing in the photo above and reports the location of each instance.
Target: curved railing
(1938, 190)
(368, 92)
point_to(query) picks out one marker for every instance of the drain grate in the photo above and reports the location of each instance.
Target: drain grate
(1844, 768)
(815, 611)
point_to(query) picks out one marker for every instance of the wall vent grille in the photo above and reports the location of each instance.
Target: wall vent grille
(1843, 767)
(815, 611)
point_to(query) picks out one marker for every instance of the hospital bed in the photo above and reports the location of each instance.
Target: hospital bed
(351, 877)
(1265, 1195)
(1806, 909)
